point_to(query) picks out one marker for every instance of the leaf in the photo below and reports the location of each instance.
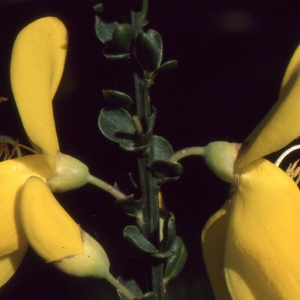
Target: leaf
(162, 149)
(148, 49)
(166, 170)
(116, 124)
(137, 239)
(132, 286)
(123, 37)
(176, 262)
(117, 98)
(169, 232)
(166, 66)
(149, 296)
(98, 8)
(104, 30)
(131, 146)
(111, 53)
(144, 12)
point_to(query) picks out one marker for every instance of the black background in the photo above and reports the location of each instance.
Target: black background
(232, 56)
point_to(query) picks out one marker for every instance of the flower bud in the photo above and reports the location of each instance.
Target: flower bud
(220, 158)
(92, 263)
(70, 174)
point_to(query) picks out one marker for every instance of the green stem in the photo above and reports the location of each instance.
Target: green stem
(187, 152)
(148, 185)
(120, 287)
(106, 187)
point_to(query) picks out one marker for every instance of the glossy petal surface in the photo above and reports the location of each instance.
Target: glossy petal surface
(37, 65)
(282, 124)
(13, 174)
(213, 248)
(49, 229)
(262, 258)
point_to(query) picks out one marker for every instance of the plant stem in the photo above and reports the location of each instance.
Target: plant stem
(120, 287)
(186, 152)
(148, 185)
(106, 187)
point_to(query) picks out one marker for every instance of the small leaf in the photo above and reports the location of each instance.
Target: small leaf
(144, 12)
(116, 124)
(166, 170)
(136, 238)
(117, 98)
(123, 36)
(98, 8)
(169, 232)
(132, 206)
(132, 286)
(162, 255)
(176, 262)
(148, 49)
(149, 296)
(131, 146)
(122, 296)
(104, 30)
(166, 66)
(162, 149)
(111, 53)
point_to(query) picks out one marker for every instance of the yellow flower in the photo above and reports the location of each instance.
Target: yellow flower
(28, 210)
(251, 245)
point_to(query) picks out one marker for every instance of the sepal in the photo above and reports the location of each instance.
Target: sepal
(70, 174)
(92, 263)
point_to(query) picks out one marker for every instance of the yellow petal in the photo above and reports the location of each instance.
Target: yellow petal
(213, 248)
(282, 124)
(49, 229)
(37, 65)
(10, 262)
(13, 174)
(262, 258)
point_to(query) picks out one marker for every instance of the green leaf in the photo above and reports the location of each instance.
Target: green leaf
(162, 149)
(104, 30)
(132, 286)
(148, 49)
(162, 255)
(117, 98)
(132, 206)
(144, 12)
(142, 142)
(176, 262)
(116, 124)
(122, 296)
(111, 53)
(123, 37)
(136, 238)
(169, 232)
(166, 170)
(149, 296)
(98, 8)
(131, 146)
(128, 186)
(166, 66)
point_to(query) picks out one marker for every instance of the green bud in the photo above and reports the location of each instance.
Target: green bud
(70, 174)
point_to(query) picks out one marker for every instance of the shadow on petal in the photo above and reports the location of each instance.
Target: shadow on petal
(213, 247)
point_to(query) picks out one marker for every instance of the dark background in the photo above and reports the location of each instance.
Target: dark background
(232, 56)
